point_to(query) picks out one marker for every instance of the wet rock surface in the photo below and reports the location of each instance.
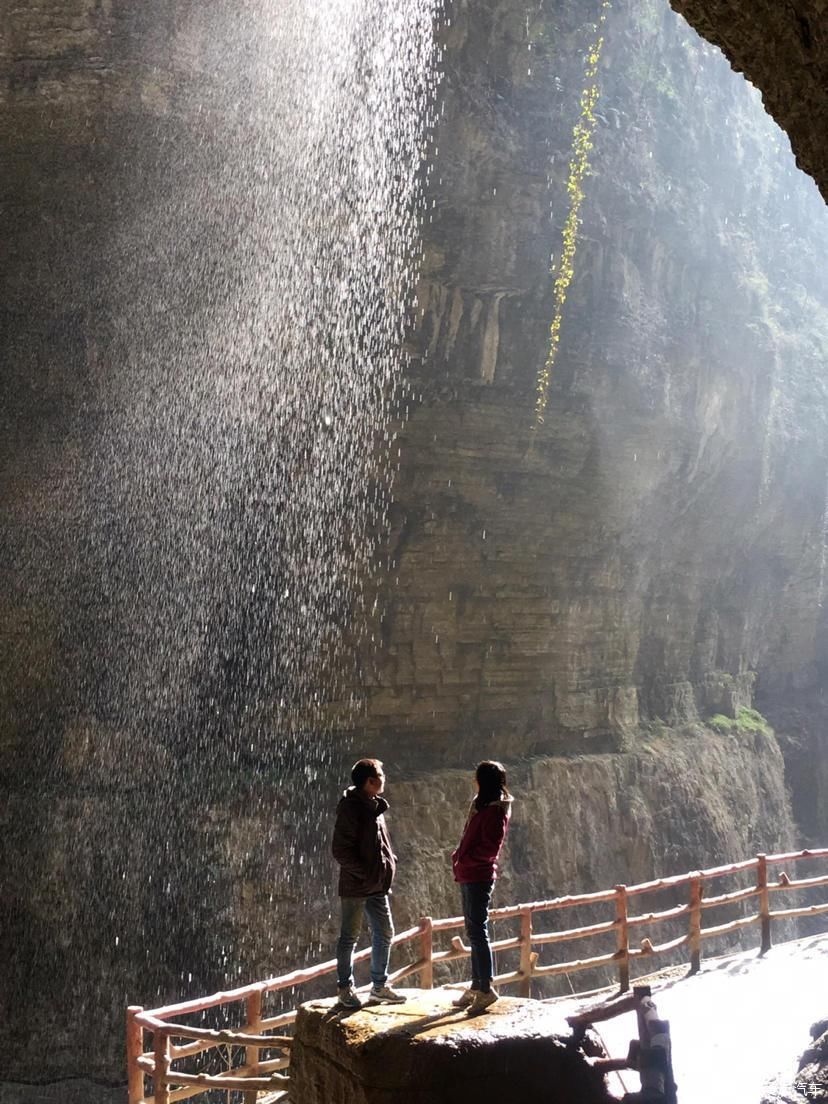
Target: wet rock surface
(75, 1091)
(426, 1052)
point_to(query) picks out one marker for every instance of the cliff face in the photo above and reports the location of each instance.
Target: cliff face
(581, 821)
(656, 548)
(652, 554)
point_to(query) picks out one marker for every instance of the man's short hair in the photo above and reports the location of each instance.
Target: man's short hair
(364, 769)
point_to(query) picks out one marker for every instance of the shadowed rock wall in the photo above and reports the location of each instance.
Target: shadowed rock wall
(783, 50)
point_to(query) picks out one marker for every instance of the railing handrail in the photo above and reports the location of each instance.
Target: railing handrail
(255, 1037)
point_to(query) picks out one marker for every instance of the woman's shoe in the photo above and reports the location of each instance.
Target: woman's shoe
(481, 1001)
(465, 998)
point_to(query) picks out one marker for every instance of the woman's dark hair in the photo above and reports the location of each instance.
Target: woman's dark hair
(491, 777)
(364, 769)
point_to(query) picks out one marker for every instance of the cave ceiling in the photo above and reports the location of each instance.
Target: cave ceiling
(782, 48)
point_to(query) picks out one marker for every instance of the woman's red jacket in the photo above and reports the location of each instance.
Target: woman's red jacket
(475, 859)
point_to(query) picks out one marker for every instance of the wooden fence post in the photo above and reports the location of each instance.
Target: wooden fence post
(253, 1006)
(426, 952)
(525, 983)
(134, 1048)
(161, 1084)
(655, 1062)
(622, 938)
(764, 901)
(694, 933)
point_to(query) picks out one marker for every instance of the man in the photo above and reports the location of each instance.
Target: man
(362, 847)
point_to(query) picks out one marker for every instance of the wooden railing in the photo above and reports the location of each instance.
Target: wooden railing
(254, 1076)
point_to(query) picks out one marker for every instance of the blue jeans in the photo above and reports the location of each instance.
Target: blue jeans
(476, 899)
(378, 910)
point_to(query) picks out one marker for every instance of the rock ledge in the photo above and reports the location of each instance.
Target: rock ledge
(426, 1052)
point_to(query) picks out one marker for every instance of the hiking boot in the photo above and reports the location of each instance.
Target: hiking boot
(465, 998)
(386, 994)
(347, 997)
(481, 1001)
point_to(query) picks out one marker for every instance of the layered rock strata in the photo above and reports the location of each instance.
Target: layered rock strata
(656, 548)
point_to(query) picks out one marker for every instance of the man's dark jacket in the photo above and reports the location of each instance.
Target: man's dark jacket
(362, 846)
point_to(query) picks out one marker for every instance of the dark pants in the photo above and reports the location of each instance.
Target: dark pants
(476, 898)
(378, 910)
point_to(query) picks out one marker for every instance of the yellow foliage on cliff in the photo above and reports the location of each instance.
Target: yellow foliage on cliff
(578, 169)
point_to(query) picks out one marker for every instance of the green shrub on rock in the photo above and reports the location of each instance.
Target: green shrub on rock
(745, 721)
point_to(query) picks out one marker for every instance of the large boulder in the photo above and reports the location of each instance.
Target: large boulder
(426, 1052)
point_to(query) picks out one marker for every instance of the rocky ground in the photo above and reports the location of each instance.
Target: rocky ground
(427, 1052)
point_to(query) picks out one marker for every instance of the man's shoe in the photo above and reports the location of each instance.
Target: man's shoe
(347, 997)
(465, 998)
(481, 1001)
(386, 994)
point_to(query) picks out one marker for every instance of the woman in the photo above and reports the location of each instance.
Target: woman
(475, 868)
